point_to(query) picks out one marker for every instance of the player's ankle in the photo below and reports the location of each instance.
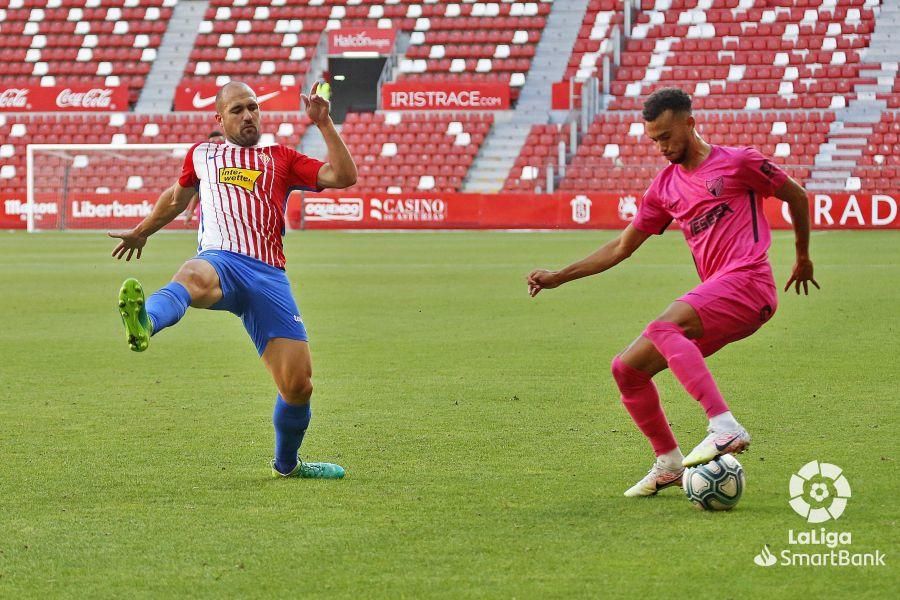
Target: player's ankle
(671, 460)
(724, 422)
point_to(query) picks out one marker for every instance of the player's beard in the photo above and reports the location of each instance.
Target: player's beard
(678, 158)
(247, 137)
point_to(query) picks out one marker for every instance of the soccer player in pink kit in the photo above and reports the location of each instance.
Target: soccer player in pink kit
(715, 195)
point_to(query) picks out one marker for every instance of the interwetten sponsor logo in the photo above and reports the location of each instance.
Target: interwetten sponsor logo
(243, 178)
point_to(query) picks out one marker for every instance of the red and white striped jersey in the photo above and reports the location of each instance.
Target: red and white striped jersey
(243, 195)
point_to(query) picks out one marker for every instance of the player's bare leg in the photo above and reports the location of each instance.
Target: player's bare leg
(290, 364)
(201, 281)
(672, 334)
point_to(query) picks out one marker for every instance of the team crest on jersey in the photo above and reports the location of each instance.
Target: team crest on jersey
(245, 178)
(264, 158)
(715, 186)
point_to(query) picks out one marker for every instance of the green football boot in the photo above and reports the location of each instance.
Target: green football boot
(134, 315)
(305, 470)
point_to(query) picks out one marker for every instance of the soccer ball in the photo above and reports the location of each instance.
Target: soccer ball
(717, 485)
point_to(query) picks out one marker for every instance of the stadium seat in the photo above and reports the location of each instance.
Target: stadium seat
(426, 152)
(72, 42)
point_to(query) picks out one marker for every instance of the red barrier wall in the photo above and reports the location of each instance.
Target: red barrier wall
(552, 211)
(444, 211)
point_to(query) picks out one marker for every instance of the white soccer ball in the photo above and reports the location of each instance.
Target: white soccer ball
(717, 485)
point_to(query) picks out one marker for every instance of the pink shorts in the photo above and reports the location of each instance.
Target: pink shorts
(732, 306)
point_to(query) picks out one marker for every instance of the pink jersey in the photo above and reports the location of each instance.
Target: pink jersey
(718, 206)
(243, 195)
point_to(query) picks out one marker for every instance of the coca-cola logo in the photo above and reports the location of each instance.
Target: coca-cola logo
(92, 98)
(13, 98)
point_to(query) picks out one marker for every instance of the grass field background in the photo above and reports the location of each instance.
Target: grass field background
(485, 444)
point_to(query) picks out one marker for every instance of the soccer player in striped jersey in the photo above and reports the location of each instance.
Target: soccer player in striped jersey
(715, 195)
(239, 267)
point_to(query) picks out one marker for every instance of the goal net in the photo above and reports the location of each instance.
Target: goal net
(98, 186)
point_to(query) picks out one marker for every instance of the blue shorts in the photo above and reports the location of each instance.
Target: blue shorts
(259, 294)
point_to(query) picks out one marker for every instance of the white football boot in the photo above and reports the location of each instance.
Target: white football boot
(657, 479)
(716, 444)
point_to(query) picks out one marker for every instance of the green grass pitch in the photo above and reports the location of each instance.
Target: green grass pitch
(486, 447)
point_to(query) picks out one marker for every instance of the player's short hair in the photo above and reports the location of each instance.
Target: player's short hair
(665, 99)
(215, 133)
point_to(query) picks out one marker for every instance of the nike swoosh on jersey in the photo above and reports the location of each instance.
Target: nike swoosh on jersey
(200, 102)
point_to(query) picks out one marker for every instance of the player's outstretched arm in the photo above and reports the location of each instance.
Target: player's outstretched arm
(609, 255)
(340, 170)
(795, 196)
(192, 205)
(171, 203)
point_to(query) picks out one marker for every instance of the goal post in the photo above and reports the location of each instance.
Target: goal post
(97, 186)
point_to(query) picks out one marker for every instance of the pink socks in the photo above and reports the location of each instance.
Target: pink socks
(687, 364)
(640, 397)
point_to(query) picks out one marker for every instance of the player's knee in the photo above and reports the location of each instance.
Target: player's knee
(297, 390)
(627, 377)
(620, 372)
(196, 280)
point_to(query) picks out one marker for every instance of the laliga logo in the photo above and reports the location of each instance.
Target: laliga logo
(815, 483)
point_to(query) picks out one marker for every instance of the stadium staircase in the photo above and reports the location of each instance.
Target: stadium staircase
(172, 57)
(850, 134)
(504, 143)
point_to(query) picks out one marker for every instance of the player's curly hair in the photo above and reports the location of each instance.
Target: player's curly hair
(665, 99)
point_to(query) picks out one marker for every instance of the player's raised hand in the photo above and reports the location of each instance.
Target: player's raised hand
(129, 242)
(541, 279)
(317, 108)
(803, 273)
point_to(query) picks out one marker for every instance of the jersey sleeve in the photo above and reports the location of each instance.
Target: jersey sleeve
(760, 174)
(651, 217)
(189, 177)
(303, 171)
